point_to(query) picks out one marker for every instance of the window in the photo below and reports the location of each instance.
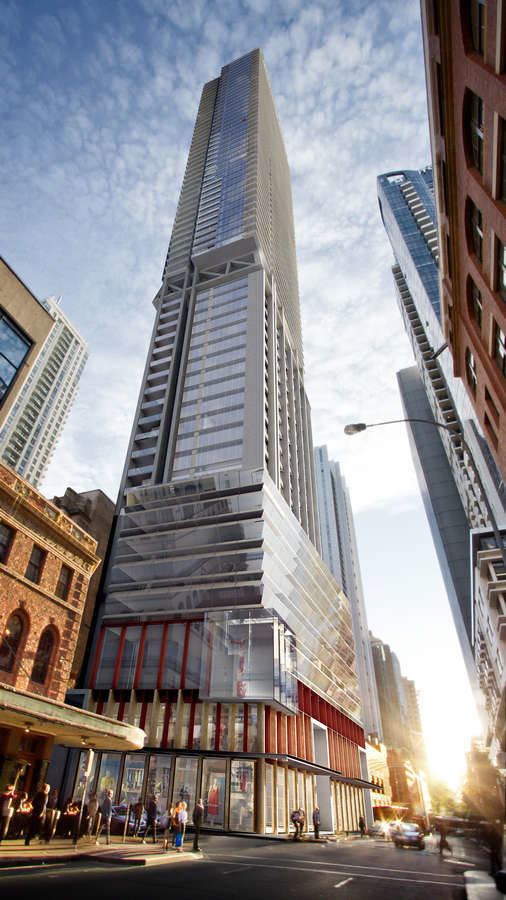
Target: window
(11, 642)
(14, 346)
(476, 130)
(475, 304)
(43, 656)
(64, 579)
(477, 15)
(6, 536)
(501, 268)
(475, 229)
(35, 563)
(472, 378)
(499, 348)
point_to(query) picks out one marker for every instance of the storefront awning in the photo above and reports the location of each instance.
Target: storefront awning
(68, 725)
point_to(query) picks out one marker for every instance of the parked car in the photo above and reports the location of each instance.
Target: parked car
(118, 821)
(407, 834)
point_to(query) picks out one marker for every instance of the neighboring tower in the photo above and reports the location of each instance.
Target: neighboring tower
(222, 631)
(34, 424)
(465, 63)
(340, 552)
(451, 495)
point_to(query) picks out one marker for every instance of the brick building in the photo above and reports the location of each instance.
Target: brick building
(46, 562)
(465, 60)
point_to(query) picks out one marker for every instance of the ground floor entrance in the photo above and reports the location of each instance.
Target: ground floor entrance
(242, 794)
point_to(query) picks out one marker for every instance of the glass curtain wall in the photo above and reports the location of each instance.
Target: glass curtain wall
(242, 793)
(214, 780)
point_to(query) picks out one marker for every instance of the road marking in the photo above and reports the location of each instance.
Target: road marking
(329, 863)
(354, 874)
(342, 883)
(231, 871)
(460, 862)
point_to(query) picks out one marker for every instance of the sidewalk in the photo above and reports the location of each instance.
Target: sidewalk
(130, 853)
(480, 886)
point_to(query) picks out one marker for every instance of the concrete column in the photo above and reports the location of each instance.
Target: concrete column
(260, 797)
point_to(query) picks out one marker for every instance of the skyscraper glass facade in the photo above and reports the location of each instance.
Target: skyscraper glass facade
(222, 633)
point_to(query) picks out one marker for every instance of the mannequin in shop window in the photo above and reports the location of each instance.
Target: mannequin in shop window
(213, 802)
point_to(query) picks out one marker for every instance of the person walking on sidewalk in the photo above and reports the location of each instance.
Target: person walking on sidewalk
(52, 816)
(38, 815)
(182, 818)
(6, 810)
(198, 818)
(361, 826)
(297, 818)
(151, 817)
(106, 810)
(138, 809)
(316, 822)
(443, 842)
(92, 815)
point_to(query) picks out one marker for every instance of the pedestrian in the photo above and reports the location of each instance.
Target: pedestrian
(52, 816)
(443, 842)
(138, 809)
(91, 815)
(7, 798)
(361, 826)
(164, 823)
(22, 813)
(174, 823)
(106, 810)
(302, 820)
(298, 821)
(182, 818)
(38, 815)
(151, 817)
(316, 822)
(198, 818)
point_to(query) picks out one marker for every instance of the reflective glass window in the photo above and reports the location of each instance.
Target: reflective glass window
(44, 656)
(14, 346)
(280, 798)
(213, 791)
(185, 781)
(80, 779)
(6, 537)
(133, 778)
(110, 647)
(158, 778)
(269, 798)
(173, 656)
(242, 795)
(129, 657)
(151, 656)
(108, 774)
(194, 658)
(11, 642)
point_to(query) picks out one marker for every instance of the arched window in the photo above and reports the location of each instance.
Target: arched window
(11, 641)
(44, 656)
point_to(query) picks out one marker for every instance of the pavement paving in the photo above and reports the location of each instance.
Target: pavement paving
(251, 868)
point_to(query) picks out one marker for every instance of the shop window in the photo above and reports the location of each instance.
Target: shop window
(185, 781)
(108, 775)
(280, 799)
(133, 778)
(499, 348)
(80, 777)
(472, 378)
(475, 229)
(35, 564)
(12, 641)
(475, 304)
(213, 791)
(158, 780)
(64, 581)
(242, 795)
(269, 799)
(474, 118)
(6, 538)
(44, 656)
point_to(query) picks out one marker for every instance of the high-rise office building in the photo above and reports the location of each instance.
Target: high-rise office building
(222, 632)
(465, 59)
(35, 421)
(430, 391)
(340, 552)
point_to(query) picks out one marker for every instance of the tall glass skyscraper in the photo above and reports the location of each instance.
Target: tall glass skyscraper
(31, 430)
(222, 633)
(429, 390)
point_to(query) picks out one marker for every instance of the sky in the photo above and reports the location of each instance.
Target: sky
(97, 110)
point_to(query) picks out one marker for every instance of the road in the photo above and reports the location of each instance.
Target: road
(248, 869)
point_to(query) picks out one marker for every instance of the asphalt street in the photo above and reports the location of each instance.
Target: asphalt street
(251, 869)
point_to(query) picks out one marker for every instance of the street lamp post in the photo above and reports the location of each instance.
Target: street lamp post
(355, 427)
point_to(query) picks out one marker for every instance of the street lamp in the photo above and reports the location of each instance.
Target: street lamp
(355, 427)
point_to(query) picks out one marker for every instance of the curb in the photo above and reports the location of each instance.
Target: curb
(480, 885)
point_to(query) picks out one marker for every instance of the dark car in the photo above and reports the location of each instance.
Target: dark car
(407, 834)
(118, 820)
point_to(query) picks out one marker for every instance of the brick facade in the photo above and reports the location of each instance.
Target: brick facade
(36, 522)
